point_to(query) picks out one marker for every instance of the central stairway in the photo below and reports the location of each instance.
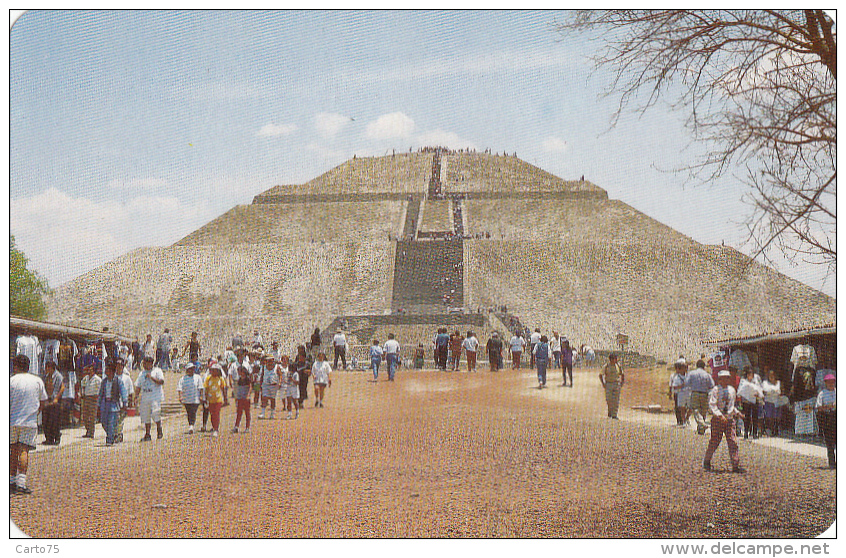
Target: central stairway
(428, 275)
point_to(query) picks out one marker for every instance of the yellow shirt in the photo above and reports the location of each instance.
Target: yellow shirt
(612, 373)
(214, 386)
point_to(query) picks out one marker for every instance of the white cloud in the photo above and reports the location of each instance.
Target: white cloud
(554, 145)
(329, 124)
(276, 130)
(393, 125)
(443, 138)
(65, 237)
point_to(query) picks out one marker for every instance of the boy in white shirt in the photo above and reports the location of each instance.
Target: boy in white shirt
(27, 396)
(471, 345)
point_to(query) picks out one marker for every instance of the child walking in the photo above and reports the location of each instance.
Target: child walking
(269, 385)
(242, 398)
(376, 353)
(320, 371)
(215, 390)
(292, 388)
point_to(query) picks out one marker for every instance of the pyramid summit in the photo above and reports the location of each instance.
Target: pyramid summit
(408, 240)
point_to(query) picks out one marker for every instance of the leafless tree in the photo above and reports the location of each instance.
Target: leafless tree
(760, 90)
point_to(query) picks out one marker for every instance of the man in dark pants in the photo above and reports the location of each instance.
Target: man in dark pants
(494, 347)
(827, 417)
(340, 344)
(52, 413)
(442, 346)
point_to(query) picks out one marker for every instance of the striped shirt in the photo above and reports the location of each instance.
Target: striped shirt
(827, 397)
(190, 387)
(91, 385)
(721, 401)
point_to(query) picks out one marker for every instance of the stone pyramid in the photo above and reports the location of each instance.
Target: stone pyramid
(441, 237)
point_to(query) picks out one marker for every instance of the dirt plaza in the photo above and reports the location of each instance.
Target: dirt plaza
(434, 454)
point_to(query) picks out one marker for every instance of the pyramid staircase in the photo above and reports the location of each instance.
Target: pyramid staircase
(428, 285)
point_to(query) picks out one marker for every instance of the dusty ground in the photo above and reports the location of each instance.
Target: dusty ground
(432, 455)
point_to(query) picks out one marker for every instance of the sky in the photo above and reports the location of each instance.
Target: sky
(134, 128)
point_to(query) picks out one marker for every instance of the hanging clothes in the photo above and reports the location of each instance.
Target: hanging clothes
(30, 346)
(719, 361)
(67, 353)
(49, 353)
(803, 355)
(739, 359)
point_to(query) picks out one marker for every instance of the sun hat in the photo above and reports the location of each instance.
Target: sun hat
(724, 374)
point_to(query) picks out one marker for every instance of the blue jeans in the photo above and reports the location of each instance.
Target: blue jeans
(557, 356)
(542, 364)
(393, 360)
(164, 360)
(374, 364)
(108, 418)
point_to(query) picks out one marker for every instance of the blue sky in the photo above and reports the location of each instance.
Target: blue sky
(132, 129)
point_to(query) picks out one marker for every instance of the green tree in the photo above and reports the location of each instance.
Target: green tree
(27, 289)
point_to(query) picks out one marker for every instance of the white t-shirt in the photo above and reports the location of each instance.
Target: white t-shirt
(471, 344)
(232, 371)
(320, 371)
(517, 344)
(804, 355)
(270, 376)
(535, 338)
(127, 381)
(392, 347)
(26, 392)
(772, 392)
(29, 345)
(292, 378)
(555, 344)
(750, 392)
(150, 390)
(339, 340)
(190, 387)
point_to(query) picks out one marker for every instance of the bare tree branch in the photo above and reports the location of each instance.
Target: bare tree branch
(760, 88)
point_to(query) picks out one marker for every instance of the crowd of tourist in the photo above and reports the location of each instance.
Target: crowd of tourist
(740, 402)
(98, 377)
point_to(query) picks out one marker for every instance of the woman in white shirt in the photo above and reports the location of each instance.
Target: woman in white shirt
(320, 372)
(771, 388)
(292, 387)
(751, 395)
